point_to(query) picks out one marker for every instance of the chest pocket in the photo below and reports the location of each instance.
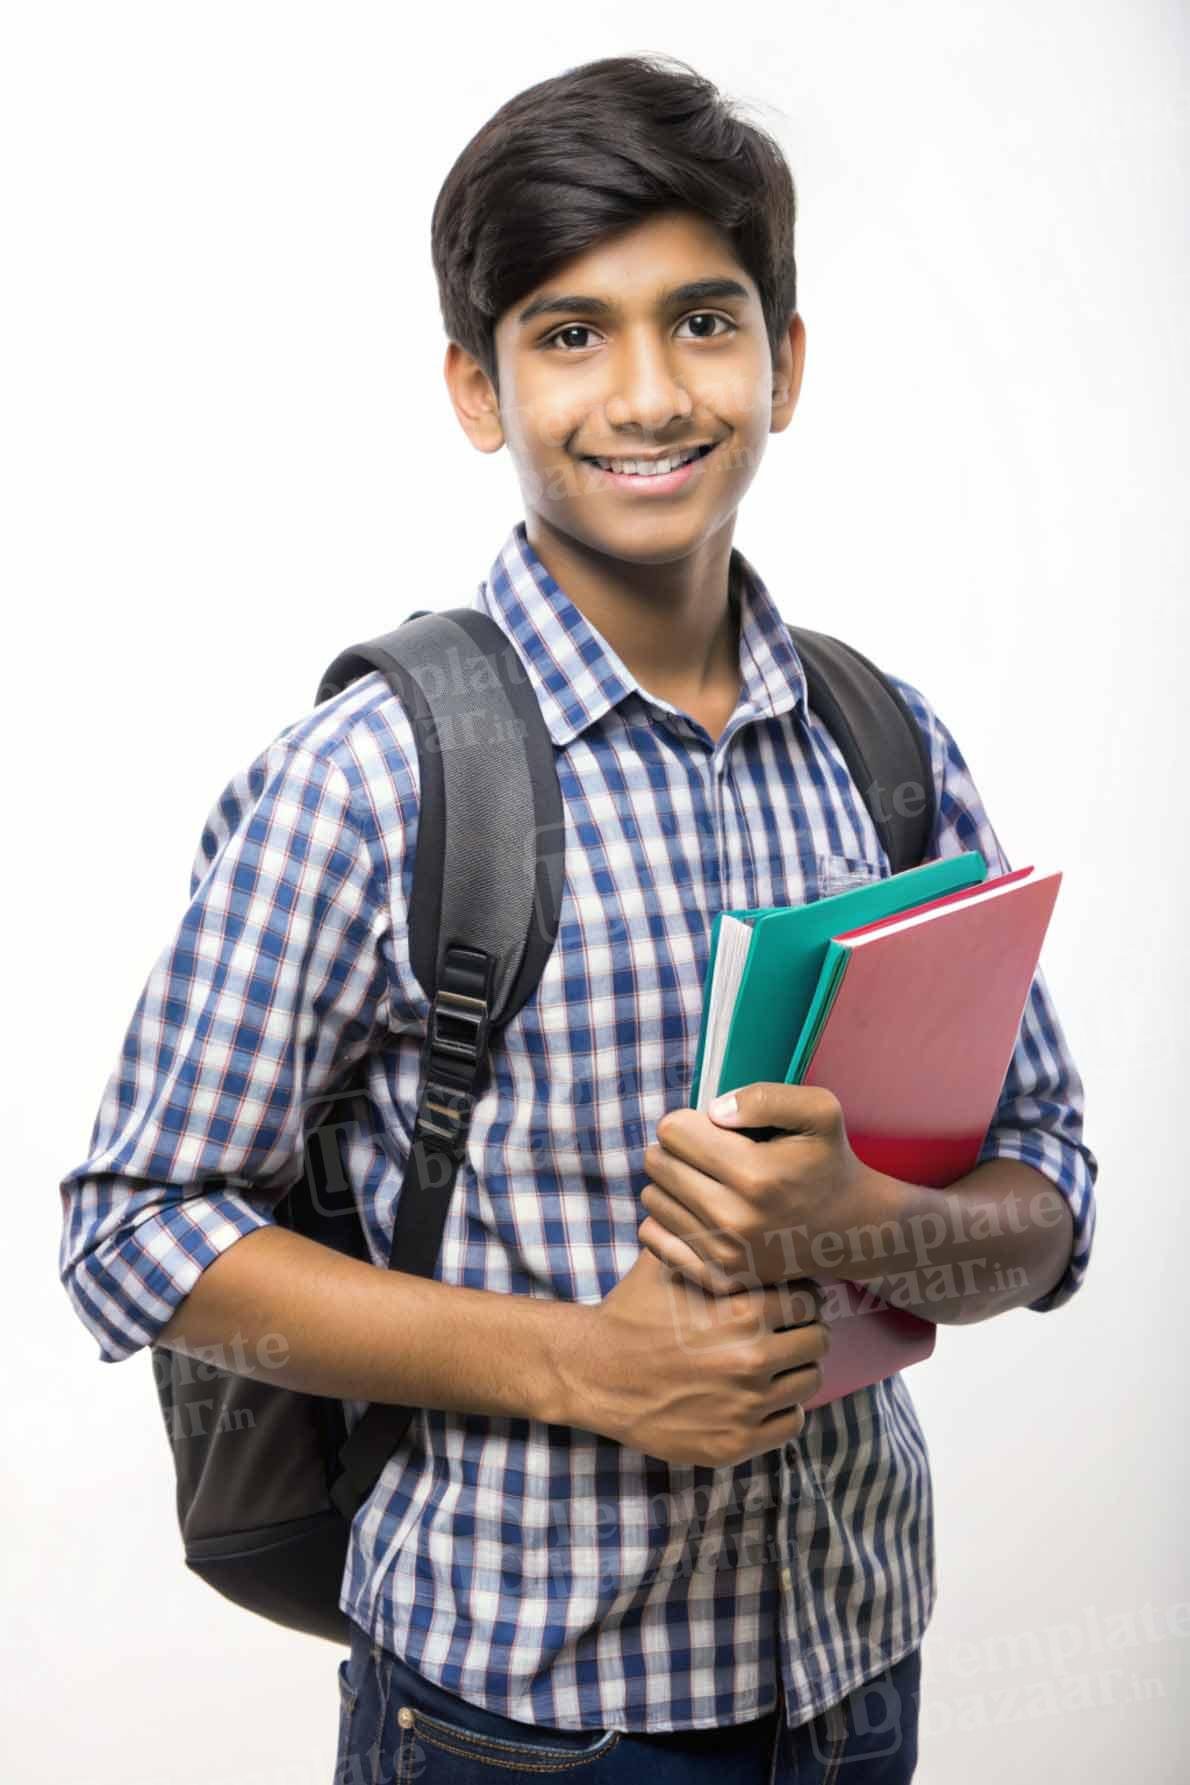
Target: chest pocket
(837, 873)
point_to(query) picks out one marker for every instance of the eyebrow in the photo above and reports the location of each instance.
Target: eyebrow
(697, 291)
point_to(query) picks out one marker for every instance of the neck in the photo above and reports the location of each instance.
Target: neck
(675, 624)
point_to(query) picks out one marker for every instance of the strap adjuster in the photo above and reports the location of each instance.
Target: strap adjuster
(465, 1013)
(443, 1114)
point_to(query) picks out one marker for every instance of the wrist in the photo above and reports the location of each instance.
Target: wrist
(569, 1336)
(887, 1198)
(881, 1208)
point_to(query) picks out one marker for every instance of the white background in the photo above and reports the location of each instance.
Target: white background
(228, 452)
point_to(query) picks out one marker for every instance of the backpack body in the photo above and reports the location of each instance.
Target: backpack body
(269, 1478)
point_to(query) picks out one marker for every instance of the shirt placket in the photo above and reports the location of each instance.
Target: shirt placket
(800, 1513)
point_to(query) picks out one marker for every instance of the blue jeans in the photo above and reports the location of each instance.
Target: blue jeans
(396, 1728)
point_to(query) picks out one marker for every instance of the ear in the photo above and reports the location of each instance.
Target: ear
(787, 373)
(474, 399)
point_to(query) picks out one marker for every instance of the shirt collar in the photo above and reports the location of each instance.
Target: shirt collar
(577, 676)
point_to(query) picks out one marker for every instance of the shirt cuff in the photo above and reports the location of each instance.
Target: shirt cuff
(127, 1289)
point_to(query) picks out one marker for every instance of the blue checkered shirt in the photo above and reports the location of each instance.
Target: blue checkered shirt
(545, 1573)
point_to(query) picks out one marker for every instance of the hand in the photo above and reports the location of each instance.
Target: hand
(723, 1208)
(695, 1378)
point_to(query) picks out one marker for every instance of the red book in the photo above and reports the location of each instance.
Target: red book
(916, 1042)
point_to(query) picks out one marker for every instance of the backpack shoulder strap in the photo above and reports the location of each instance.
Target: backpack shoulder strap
(484, 911)
(882, 743)
(488, 864)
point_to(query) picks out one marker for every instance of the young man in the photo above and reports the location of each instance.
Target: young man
(613, 1539)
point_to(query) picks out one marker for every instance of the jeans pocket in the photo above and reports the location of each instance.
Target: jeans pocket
(433, 1720)
(359, 1759)
(348, 1701)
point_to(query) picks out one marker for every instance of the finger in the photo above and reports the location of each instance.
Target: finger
(794, 1386)
(798, 1349)
(681, 1257)
(696, 1189)
(799, 1301)
(700, 1143)
(686, 1222)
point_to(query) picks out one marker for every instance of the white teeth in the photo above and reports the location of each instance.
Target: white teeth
(647, 467)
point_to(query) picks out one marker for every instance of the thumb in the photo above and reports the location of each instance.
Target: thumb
(725, 1109)
(764, 1109)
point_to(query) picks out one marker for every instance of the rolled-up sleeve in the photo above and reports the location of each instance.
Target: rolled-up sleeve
(1039, 1117)
(274, 981)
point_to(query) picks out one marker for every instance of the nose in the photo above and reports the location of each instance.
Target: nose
(646, 392)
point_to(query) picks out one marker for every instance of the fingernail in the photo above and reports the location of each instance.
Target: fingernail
(723, 1108)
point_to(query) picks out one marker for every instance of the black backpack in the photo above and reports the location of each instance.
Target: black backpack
(268, 1478)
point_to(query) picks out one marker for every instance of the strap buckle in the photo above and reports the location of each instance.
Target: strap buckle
(464, 1013)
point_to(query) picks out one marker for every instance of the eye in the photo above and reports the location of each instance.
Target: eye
(583, 328)
(571, 328)
(709, 316)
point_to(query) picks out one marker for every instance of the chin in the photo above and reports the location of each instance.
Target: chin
(650, 538)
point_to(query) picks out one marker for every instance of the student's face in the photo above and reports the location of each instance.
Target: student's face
(635, 366)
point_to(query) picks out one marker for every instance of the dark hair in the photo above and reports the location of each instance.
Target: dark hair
(593, 151)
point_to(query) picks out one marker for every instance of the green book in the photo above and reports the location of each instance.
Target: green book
(833, 967)
(759, 997)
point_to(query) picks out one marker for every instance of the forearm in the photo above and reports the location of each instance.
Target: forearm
(279, 1305)
(996, 1239)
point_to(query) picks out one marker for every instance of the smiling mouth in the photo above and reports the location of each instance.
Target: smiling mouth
(645, 468)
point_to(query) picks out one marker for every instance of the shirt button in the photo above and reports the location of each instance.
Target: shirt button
(786, 1579)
